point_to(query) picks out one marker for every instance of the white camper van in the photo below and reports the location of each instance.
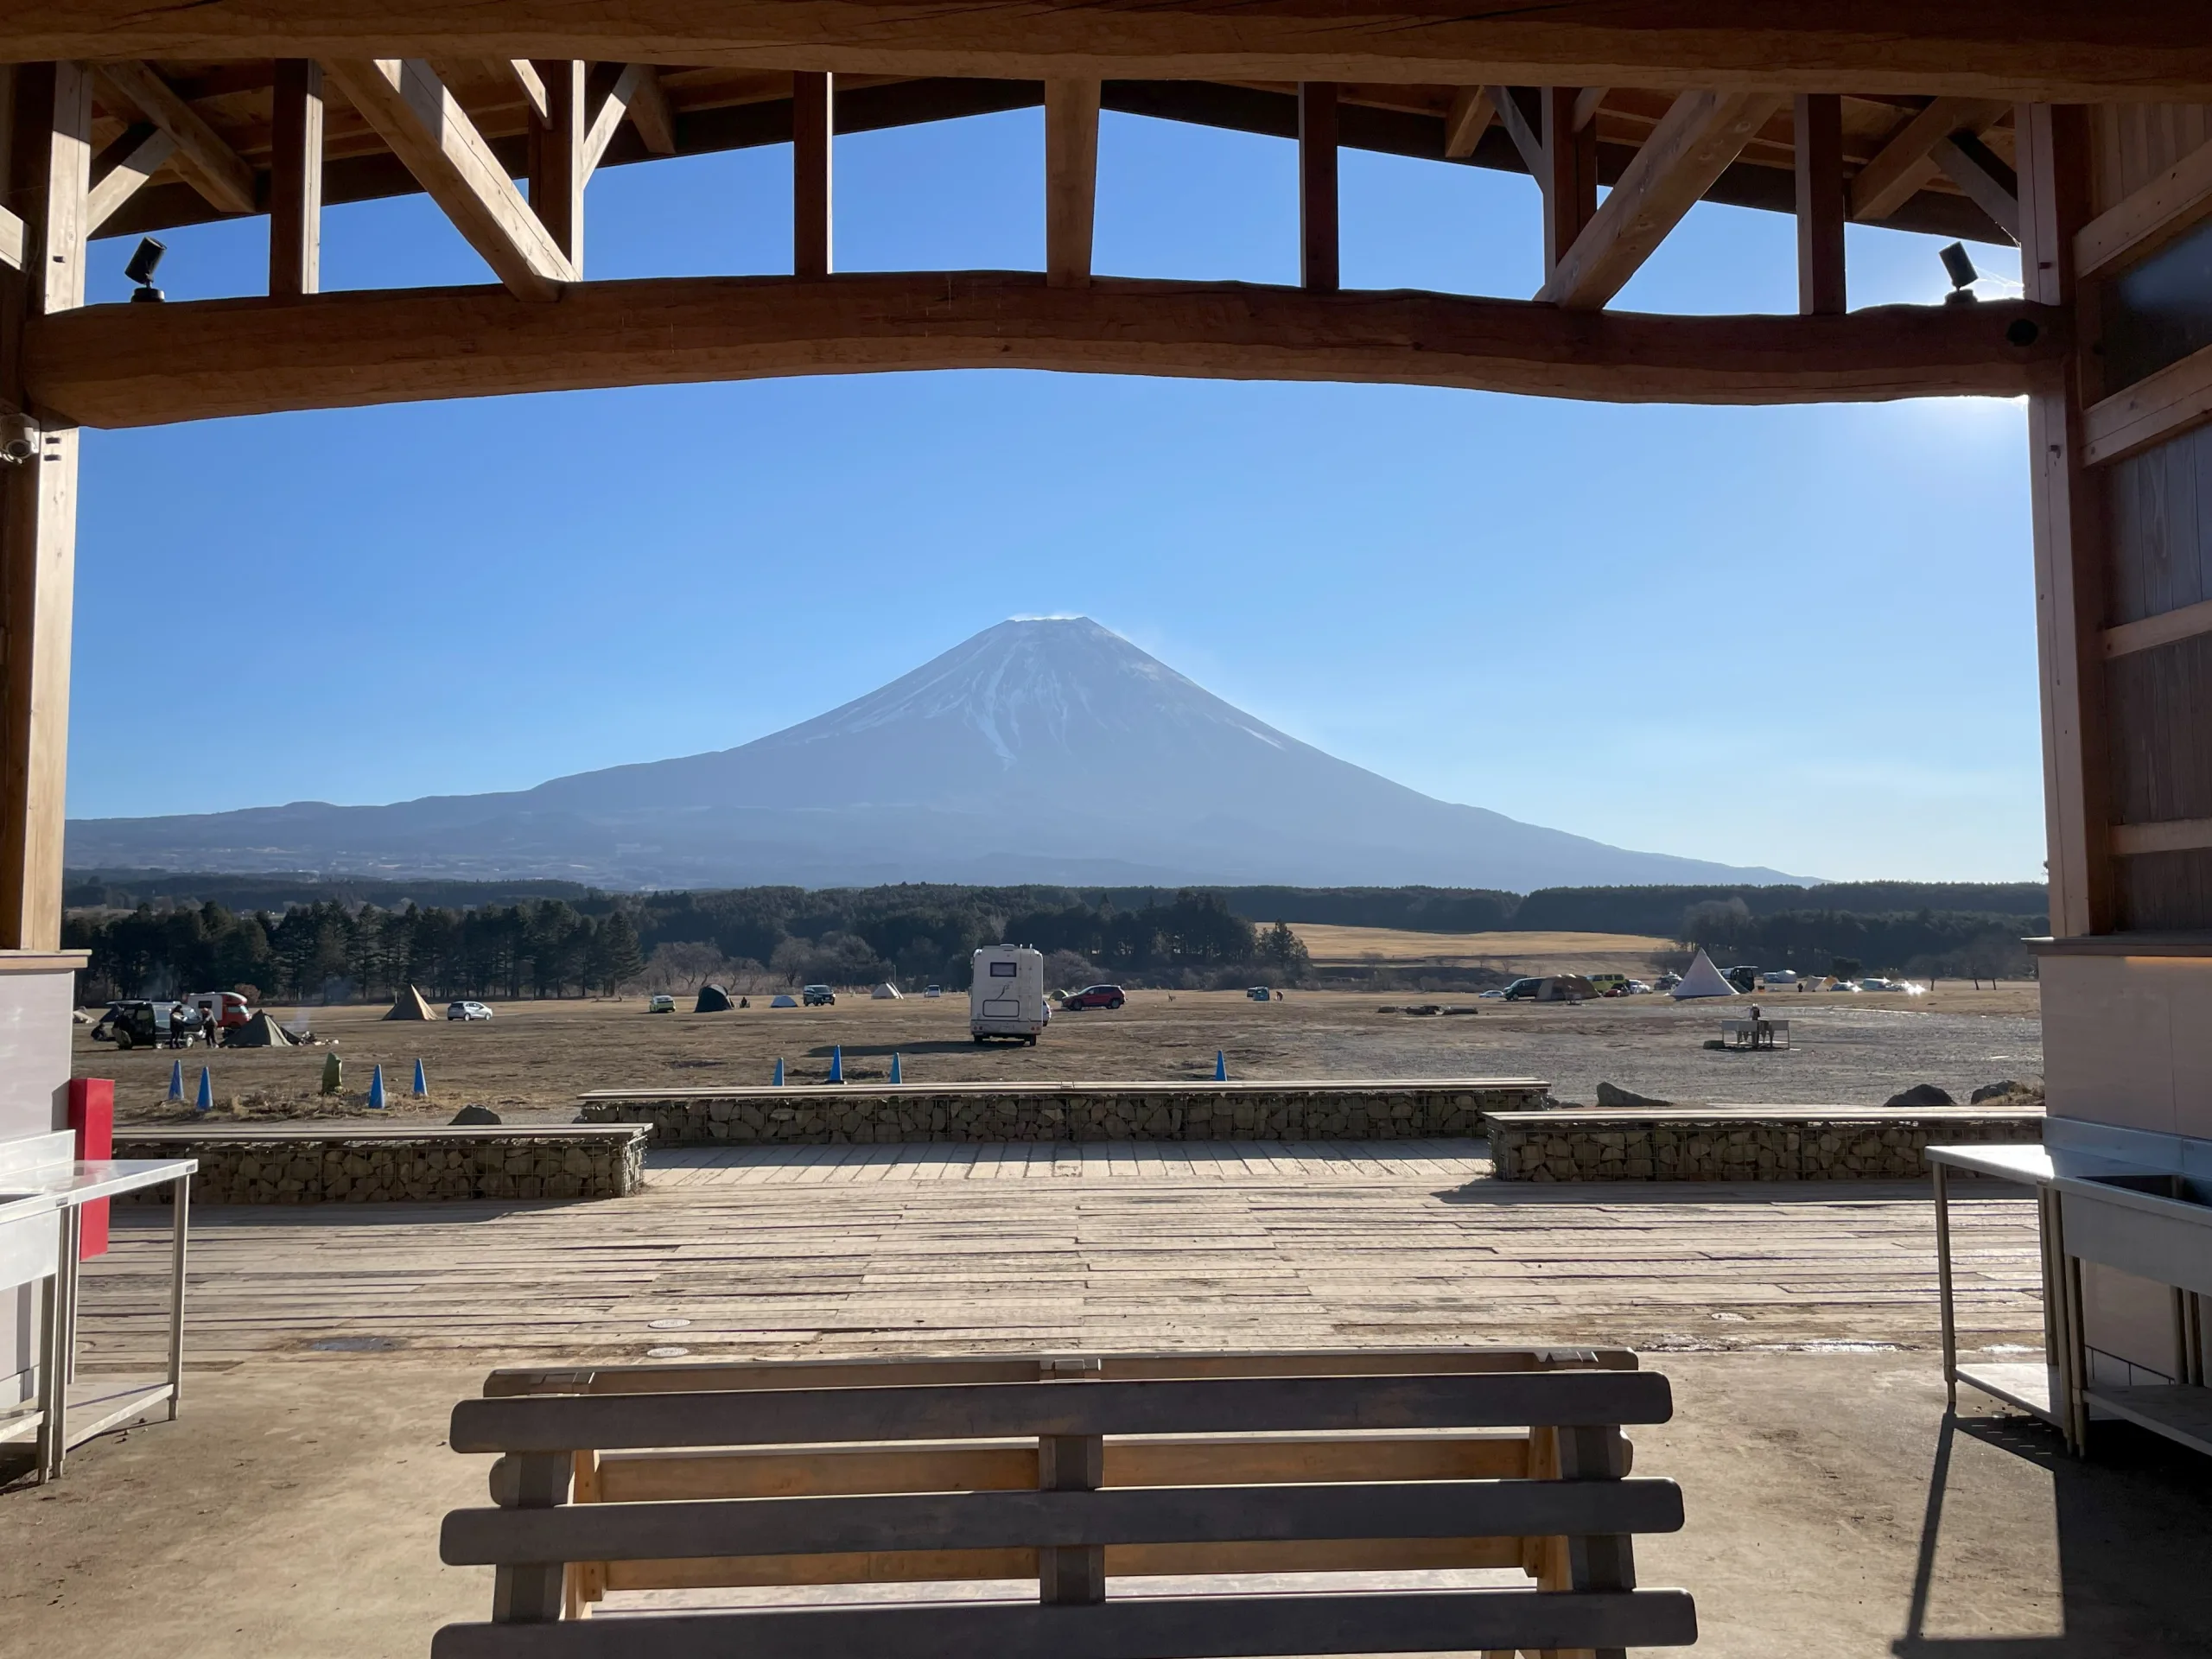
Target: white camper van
(1006, 996)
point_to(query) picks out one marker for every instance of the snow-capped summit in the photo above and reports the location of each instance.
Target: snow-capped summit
(1046, 749)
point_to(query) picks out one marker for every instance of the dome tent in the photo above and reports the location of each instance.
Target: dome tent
(1703, 979)
(260, 1031)
(712, 1000)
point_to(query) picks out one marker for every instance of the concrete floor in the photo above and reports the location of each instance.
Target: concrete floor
(294, 1508)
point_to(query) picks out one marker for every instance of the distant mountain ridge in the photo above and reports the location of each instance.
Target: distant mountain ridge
(1045, 749)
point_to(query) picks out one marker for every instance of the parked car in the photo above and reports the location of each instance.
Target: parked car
(934, 990)
(467, 1010)
(1666, 982)
(1524, 990)
(1606, 984)
(1492, 993)
(138, 1024)
(1095, 996)
(818, 996)
(227, 1009)
(661, 1005)
(1260, 993)
(1744, 978)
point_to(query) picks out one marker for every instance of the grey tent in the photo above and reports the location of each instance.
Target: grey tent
(712, 1000)
(260, 1031)
(409, 1005)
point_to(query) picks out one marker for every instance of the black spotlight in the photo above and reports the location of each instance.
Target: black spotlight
(1962, 274)
(143, 263)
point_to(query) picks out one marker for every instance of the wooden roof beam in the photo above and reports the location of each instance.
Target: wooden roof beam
(433, 139)
(148, 364)
(1070, 180)
(1519, 128)
(1905, 166)
(1988, 181)
(203, 157)
(121, 170)
(1691, 147)
(2049, 51)
(636, 95)
(523, 73)
(1473, 108)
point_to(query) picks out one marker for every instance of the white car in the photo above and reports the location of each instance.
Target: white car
(468, 1011)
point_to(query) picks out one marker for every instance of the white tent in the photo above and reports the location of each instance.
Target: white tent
(886, 992)
(1702, 979)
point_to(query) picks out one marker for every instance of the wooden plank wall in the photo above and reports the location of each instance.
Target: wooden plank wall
(2159, 514)
(2135, 142)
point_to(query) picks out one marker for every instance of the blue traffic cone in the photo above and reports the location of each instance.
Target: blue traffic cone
(780, 1072)
(376, 1090)
(206, 1103)
(838, 1063)
(894, 1068)
(1220, 1066)
(422, 1082)
(176, 1079)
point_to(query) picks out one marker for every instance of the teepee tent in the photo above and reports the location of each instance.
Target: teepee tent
(886, 992)
(1702, 979)
(712, 1000)
(409, 1005)
(260, 1031)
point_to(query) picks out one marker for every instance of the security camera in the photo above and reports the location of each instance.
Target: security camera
(144, 262)
(17, 451)
(1958, 266)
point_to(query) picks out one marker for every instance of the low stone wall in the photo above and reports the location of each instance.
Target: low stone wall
(884, 1113)
(394, 1164)
(1725, 1144)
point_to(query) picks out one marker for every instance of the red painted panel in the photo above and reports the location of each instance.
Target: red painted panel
(91, 1115)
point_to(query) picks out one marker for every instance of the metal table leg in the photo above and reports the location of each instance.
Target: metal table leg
(1943, 1308)
(49, 1355)
(65, 1362)
(180, 1217)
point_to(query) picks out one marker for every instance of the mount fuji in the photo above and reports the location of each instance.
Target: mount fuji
(1040, 750)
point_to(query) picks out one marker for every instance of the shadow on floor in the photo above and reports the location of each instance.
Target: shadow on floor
(2134, 1531)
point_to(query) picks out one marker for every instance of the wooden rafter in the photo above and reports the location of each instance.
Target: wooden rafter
(1473, 108)
(1988, 181)
(1906, 163)
(637, 96)
(1519, 128)
(2178, 200)
(1588, 101)
(1071, 179)
(203, 157)
(2064, 51)
(1687, 151)
(142, 366)
(523, 73)
(122, 169)
(1568, 176)
(433, 139)
(557, 164)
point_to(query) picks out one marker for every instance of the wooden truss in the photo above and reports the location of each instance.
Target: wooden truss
(1984, 119)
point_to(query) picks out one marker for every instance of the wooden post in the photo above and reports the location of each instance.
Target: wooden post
(48, 184)
(1318, 240)
(1071, 179)
(2070, 561)
(812, 122)
(556, 157)
(1570, 177)
(1071, 1575)
(1821, 200)
(295, 180)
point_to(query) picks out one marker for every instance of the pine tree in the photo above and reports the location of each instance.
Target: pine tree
(618, 959)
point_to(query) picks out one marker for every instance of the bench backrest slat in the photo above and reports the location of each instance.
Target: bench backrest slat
(1139, 1515)
(1210, 1406)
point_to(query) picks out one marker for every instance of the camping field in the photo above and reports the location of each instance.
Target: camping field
(533, 1058)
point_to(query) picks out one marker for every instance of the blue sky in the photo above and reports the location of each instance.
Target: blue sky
(1795, 637)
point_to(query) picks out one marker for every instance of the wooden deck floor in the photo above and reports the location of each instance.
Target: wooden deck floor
(1127, 1246)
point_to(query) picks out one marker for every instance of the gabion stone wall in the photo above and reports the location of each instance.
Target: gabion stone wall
(1136, 1111)
(335, 1167)
(1781, 1146)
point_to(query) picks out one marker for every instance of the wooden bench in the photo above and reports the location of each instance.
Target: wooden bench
(1072, 1472)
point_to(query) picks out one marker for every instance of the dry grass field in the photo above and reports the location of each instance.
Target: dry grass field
(1512, 953)
(533, 1058)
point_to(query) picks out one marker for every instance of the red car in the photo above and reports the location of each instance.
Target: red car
(1096, 996)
